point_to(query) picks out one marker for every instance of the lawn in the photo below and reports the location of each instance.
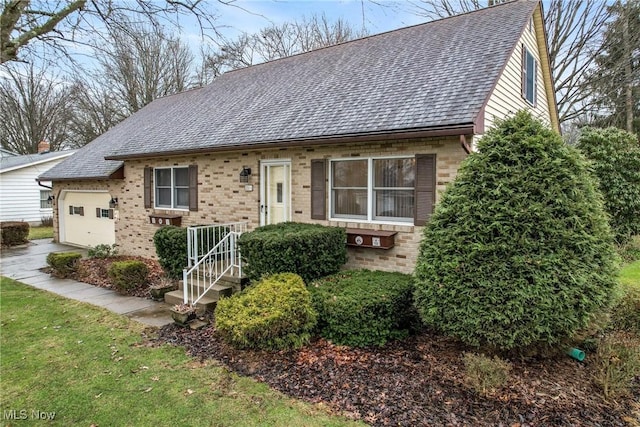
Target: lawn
(92, 367)
(40, 233)
(630, 274)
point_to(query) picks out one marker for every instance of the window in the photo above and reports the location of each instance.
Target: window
(528, 76)
(45, 202)
(104, 213)
(373, 189)
(76, 210)
(172, 188)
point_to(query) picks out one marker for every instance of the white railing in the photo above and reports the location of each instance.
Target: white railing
(212, 253)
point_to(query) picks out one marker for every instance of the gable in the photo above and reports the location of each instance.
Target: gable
(507, 98)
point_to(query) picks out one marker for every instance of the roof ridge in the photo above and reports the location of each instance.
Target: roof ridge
(370, 36)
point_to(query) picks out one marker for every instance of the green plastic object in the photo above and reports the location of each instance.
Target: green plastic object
(576, 353)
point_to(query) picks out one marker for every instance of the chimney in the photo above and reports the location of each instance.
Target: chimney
(43, 147)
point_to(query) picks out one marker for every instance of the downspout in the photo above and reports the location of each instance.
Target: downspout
(464, 144)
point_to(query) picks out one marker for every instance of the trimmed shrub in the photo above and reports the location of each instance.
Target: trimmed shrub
(64, 263)
(128, 274)
(630, 251)
(615, 154)
(14, 233)
(103, 251)
(274, 313)
(171, 247)
(519, 253)
(309, 250)
(617, 364)
(364, 308)
(485, 374)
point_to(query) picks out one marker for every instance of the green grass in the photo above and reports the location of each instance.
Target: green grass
(630, 274)
(91, 366)
(40, 233)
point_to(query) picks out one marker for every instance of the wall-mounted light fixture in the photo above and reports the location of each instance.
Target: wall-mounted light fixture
(244, 174)
(113, 202)
(50, 198)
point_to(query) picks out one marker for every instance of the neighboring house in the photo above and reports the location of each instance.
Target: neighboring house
(6, 153)
(21, 197)
(363, 135)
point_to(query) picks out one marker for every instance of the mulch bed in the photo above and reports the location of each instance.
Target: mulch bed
(94, 272)
(419, 381)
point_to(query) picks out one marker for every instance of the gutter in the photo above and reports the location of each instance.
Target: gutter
(42, 185)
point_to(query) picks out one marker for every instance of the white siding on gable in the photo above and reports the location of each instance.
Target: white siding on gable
(20, 193)
(506, 98)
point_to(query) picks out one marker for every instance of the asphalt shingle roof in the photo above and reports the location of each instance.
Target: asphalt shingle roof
(432, 75)
(16, 162)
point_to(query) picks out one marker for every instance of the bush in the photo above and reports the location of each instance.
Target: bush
(625, 313)
(171, 247)
(103, 251)
(364, 308)
(615, 154)
(630, 250)
(64, 263)
(46, 221)
(128, 274)
(484, 374)
(309, 250)
(617, 364)
(274, 313)
(519, 253)
(14, 233)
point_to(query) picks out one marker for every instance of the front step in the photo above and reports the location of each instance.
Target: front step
(207, 302)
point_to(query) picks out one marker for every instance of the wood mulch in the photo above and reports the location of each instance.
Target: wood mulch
(420, 381)
(94, 272)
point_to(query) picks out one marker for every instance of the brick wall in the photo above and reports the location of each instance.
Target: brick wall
(222, 198)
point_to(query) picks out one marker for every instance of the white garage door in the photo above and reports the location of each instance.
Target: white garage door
(85, 219)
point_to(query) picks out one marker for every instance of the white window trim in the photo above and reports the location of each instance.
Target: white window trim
(155, 195)
(370, 198)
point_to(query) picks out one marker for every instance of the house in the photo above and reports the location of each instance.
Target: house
(22, 198)
(363, 135)
(6, 153)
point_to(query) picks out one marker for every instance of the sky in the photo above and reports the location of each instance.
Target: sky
(252, 15)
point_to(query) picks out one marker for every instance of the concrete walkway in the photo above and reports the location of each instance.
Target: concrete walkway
(24, 263)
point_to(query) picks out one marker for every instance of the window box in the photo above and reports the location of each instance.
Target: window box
(160, 219)
(377, 239)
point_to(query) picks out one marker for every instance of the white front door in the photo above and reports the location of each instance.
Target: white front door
(275, 192)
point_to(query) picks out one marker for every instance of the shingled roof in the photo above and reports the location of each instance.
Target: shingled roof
(431, 76)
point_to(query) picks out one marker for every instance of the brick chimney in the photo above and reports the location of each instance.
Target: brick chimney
(43, 147)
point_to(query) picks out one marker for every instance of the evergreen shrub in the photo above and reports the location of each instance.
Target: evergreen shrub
(171, 247)
(128, 274)
(363, 308)
(14, 233)
(518, 253)
(272, 314)
(64, 263)
(615, 155)
(309, 250)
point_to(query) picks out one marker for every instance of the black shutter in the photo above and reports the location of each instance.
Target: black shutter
(193, 187)
(147, 187)
(110, 213)
(425, 192)
(318, 189)
(98, 212)
(81, 210)
(70, 210)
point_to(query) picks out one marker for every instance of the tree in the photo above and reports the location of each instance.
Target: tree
(573, 30)
(139, 64)
(616, 162)
(276, 41)
(519, 253)
(25, 23)
(142, 63)
(616, 78)
(34, 107)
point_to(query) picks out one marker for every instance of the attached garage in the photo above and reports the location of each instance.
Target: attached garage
(86, 218)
